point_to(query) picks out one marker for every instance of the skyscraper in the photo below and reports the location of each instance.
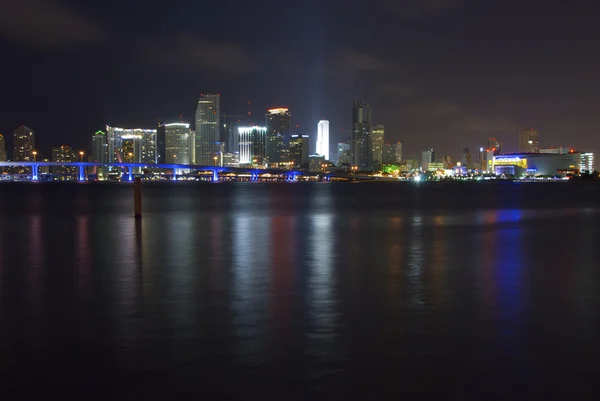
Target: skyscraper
(278, 123)
(23, 144)
(361, 153)
(529, 141)
(99, 147)
(3, 156)
(64, 154)
(323, 139)
(343, 152)
(208, 116)
(377, 143)
(299, 151)
(142, 142)
(252, 145)
(148, 145)
(466, 158)
(177, 143)
(393, 153)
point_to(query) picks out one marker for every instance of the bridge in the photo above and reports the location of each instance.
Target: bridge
(128, 169)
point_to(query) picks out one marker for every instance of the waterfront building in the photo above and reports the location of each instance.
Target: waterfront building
(448, 164)
(252, 142)
(343, 153)
(427, 157)
(323, 139)
(174, 143)
(131, 148)
(207, 128)
(23, 144)
(231, 159)
(361, 147)
(377, 145)
(64, 154)
(148, 145)
(299, 151)
(99, 147)
(277, 122)
(586, 163)
(529, 141)
(315, 163)
(520, 164)
(392, 153)
(467, 160)
(141, 142)
(3, 155)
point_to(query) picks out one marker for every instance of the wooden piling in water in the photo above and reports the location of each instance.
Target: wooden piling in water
(137, 197)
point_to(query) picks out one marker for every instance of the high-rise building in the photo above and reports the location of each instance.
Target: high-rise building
(99, 147)
(176, 143)
(428, 156)
(148, 146)
(377, 145)
(495, 145)
(529, 141)
(23, 144)
(559, 150)
(278, 123)
(299, 151)
(392, 153)
(141, 142)
(361, 136)
(64, 154)
(252, 145)
(343, 153)
(323, 139)
(3, 156)
(586, 163)
(208, 115)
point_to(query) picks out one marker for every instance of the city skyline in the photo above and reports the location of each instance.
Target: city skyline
(437, 73)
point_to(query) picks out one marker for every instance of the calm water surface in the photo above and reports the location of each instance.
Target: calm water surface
(483, 291)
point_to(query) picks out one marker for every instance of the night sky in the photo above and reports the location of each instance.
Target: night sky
(445, 74)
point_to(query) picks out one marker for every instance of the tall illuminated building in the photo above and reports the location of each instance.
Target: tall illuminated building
(529, 141)
(299, 151)
(3, 156)
(343, 152)
(586, 163)
(360, 147)
(323, 139)
(99, 147)
(23, 144)
(176, 140)
(253, 141)
(278, 123)
(208, 115)
(141, 142)
(64, 154)
(467, 160)
(392, 153)
(377, 144)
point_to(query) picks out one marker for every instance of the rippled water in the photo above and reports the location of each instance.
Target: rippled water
(300, 291)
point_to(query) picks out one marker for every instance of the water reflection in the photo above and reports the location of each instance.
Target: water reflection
(36, 272)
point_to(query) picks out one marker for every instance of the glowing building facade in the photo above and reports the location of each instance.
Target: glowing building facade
(176, 142)
(142, 143)
(323, 139)
(253, 141)
(586, 163)
(377, 144)
(277, 123)
(99, 147)
(3, 155)
(299, 151)
(23, 144)
(207, 128)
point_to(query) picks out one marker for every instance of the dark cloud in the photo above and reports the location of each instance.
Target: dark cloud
(191, 51)
(348, 64)
(45, 23)
(421, 8)
(394, 89)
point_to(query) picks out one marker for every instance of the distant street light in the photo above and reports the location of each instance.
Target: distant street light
(215, 159)
(34, 153)
(81, 155)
